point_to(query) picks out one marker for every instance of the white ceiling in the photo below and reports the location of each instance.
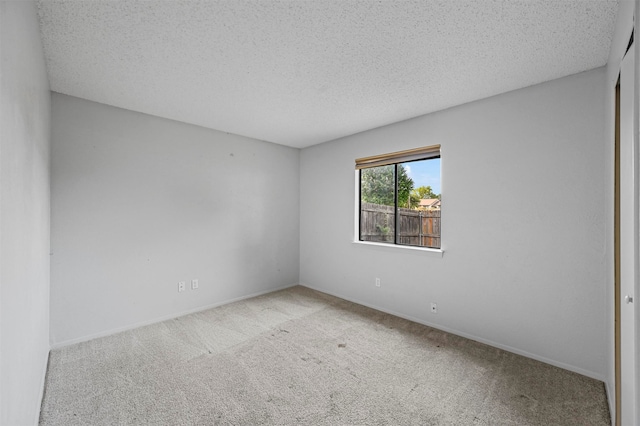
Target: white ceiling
(298, 72)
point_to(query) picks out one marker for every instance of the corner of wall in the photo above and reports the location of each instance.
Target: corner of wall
(25, 123)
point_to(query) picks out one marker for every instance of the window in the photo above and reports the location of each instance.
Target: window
(400, 197)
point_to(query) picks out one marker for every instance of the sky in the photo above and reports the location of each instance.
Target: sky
(425, 173)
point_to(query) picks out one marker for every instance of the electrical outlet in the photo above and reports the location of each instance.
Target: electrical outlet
(194, 284)
(434, 308)
(182, 286)
(377, 282)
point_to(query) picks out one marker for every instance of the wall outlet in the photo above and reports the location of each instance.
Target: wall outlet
(377, 282)
(434, 308)
(182, 286)
(194, 284)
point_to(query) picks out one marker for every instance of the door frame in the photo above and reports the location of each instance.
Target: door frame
(631, 183)
(616, 250)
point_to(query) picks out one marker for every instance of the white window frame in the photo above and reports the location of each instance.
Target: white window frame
(416, 154)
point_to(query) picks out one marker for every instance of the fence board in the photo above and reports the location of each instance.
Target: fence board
(415, 227)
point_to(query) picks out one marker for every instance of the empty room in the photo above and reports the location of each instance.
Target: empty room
(323, 212)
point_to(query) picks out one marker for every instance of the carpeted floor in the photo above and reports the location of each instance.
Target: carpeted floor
(302, 357)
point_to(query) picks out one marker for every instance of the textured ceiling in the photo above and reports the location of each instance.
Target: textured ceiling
(298, 72)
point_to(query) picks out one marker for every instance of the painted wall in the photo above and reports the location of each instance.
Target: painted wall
(523, 228)
(140, 203)
(25, 108)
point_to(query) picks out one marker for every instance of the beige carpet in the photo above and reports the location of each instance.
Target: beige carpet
(301, 357)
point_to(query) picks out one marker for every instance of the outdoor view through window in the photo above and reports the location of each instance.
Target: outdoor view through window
(400, 202)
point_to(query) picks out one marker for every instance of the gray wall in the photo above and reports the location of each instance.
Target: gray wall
(140, 203)
(25, 108)
(525, 266)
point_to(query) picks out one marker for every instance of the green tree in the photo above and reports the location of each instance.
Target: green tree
(415, 201)
(405, 186)
(424, 192)
(377, 185)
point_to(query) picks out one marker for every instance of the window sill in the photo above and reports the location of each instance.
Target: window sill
(396, 247)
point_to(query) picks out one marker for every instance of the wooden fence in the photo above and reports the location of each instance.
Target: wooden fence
(415, 227)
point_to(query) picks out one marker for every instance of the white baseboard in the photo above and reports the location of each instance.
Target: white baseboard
(43, 383)
(64, 343)
(611, 399)
(507, 348)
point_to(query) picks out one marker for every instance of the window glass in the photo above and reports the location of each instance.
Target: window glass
(377, 203)
(400, 203)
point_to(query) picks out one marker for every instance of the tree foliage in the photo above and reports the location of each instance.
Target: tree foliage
(424, 192)
(377, 185)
